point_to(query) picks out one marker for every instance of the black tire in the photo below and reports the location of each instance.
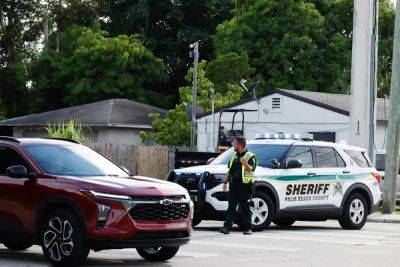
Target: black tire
(17, 246)
(158, 253)
(196, 220)
(57, 232)
(356, 204)
(284, 222)
(259, 225)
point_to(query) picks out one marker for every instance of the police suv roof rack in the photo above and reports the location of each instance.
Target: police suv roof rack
(9, 138)
(63, 139)
(302, 137)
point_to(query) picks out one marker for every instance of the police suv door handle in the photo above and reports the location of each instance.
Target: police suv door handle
(346, 172)
(311, 173)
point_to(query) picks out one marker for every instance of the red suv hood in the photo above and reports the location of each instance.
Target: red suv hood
(136, 185)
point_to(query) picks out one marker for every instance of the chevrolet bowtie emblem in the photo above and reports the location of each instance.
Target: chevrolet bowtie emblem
(166, 202)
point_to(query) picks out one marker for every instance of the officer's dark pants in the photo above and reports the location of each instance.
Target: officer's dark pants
(239, 194)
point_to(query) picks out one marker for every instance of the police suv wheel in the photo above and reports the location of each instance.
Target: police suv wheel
(355, 212)
(262, 211)
(157, 253)
(62, 239)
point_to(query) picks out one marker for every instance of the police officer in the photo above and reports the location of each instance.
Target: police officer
(241, 185)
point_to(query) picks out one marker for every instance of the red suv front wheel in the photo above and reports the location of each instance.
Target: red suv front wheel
(62, 239)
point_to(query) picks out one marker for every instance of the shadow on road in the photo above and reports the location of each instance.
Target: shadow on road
(271, 228)
(29, 258)
(123, 262)
(23, 257)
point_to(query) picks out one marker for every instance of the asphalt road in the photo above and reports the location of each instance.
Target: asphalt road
(304, 244)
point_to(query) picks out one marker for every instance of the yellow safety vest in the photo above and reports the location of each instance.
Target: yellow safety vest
(247, 177)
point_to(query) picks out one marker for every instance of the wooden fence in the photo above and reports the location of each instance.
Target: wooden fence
(151, 161)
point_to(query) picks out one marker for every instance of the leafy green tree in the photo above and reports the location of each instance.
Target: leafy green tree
(17, 34)
(231, 92)
(174, 129)
(385, 46)
(167, 28)
(93, 67)
(228, 69)
(339, 25)
(303, 44)
(281, 39)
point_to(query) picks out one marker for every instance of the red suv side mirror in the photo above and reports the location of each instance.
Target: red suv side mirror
(17, 171)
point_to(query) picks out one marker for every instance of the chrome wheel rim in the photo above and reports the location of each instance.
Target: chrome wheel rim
(357, 211)
(259, 211)
(58, 240)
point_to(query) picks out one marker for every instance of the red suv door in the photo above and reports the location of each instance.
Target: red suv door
(16, 210)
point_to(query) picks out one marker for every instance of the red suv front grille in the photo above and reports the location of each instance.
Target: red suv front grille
(159, 212)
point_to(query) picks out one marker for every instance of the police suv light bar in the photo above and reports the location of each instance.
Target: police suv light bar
(298, 136)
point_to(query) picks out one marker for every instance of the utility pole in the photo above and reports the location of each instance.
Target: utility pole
(393, 134)
(195, 47)
(212, 118)
(363, 75)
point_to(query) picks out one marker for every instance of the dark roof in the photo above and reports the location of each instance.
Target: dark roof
(112, 112)
(335, 102)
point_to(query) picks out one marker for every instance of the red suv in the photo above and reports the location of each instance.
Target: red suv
(69, 199)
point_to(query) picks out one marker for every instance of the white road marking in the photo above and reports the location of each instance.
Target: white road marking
(345, 235)
(226, 245)
(196, 254)
(297, 238)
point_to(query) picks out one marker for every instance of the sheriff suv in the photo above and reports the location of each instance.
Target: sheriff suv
(296, 179)
(69, 199)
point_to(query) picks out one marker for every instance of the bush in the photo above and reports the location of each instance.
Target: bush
(72, 130)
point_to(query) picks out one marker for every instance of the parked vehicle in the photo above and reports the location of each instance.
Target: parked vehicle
(69, 199)
(297, 179)
(380, 166)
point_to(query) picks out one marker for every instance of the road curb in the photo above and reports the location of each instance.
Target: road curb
(386, 219)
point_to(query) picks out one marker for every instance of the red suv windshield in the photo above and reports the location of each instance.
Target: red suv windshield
(73, 160)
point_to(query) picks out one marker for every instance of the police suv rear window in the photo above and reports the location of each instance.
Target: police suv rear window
(358, 157)
(328, 158)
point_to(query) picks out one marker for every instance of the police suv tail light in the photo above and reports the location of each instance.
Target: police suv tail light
(377, 176)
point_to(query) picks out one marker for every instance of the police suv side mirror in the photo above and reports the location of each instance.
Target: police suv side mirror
(275, 163)
(210, 160)
(293, 164)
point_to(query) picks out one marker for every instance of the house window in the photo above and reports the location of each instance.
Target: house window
(276, 104)
(324, 136)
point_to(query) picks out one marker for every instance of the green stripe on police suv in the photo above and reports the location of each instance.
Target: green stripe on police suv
(313, 177)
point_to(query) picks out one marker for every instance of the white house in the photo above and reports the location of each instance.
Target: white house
(289, 111)
(118, 121)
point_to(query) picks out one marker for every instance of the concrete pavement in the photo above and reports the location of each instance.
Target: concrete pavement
(304, 244)
(384, 218)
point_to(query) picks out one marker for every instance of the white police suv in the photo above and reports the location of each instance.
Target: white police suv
(296, 179)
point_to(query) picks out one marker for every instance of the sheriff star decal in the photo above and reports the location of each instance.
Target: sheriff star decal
(338, 188)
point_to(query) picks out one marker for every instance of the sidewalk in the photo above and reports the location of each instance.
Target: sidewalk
(384, 218)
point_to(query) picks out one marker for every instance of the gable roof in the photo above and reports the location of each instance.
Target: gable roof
(338, 103)
(112, 112)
